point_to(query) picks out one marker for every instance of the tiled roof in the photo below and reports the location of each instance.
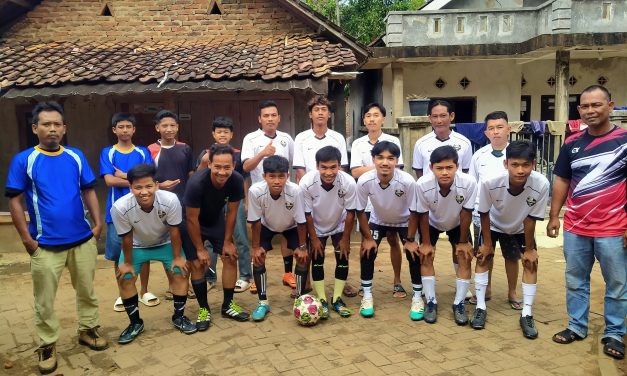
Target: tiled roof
(272, 58)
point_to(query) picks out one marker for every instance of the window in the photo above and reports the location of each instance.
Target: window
(483, 24)
(606, 11)
(460, 24)
(106, 11)
(507, 24)
(437, 25)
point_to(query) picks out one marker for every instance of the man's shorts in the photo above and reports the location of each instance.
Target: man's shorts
(512, 246)
(214, 235)
(113, 245)
(162, 253)
(379, 232)
(335, 240)
(291, 235)
(453, 235)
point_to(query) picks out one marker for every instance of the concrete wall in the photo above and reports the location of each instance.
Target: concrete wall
(586, 17)
(483, 4)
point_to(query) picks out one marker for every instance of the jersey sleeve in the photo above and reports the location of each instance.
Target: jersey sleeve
(247, 149)
(465, 158)
(562, 166)
(290, 149)
(473, 170)
(299, 208)
(362, 195)
(400, 147)
(17, 179)
(237, 193)
(471, 195)
(307, 197)
(299, 158)
(355, 155)
(174, 216)
(539, 209)
(254, 206)
(350, 199)
(120, 222)
(106, 167)
(88, 180)
(485, 200)
(417, 158)
(342, 142)
(193, 191)
(421, 204)
(147, 156)
(190, 159)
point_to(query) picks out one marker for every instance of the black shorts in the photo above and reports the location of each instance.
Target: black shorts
(379, 232)
(335, 240)
(291, 235)
(453, 235)
(215, 235)
(512, 246)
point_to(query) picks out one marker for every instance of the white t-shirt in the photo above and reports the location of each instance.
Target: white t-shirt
(277, 215)
(306, 144)
(444, 210)
(328, 208)
(484, 165)
(149, 229)
(360, 151)
(390, 205)
(507, 211)
(429, 142)
(256, 141)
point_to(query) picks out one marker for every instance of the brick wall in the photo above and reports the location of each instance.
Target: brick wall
(153, 19)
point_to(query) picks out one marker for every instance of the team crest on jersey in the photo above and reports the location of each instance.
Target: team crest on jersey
(289, 205)
(283, 143)
(457, 147)
(341, 193)
(399, 192)
(575, 150)
(531, 201)
(459, 199)
(161, 214)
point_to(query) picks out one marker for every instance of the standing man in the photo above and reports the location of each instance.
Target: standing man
(590, 177)
(55, 181)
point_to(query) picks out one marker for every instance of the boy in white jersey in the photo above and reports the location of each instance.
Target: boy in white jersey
(510, 205)
(275, 206)
(444, 203)
(361, 162)
(391, 192)
(148, 219)
(330, 202)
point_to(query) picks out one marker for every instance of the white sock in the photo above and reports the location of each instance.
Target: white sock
(462, 286)
(417, 289)
(529, 293)
(456, 267)
(481, 284)
(367, 287)
(428, 283)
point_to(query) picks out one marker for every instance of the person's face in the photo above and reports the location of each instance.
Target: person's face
(444, 171)
(440, 118)
(595, 108)
(374, 119)
(320, 115)
(519, 169)
(276, 181)
(328, 171)
(124, 130)
(269, 119)
(144, 191)
(497, 131)
(49, 129)
(167, 128)
(385, 163)
(221, 166)
(222, 135)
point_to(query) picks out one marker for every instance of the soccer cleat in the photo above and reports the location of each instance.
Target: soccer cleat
(324, 315)
(131, 332)
(47, 358)
(235, 312)
(417, 311)
(289, 280)
(261, 311)
(528, 327)
(367, 307)
(203, 321)
(479, 318)
(459, 313)
(341, 309)
(183, 324)
(431, 313)
(92, 339)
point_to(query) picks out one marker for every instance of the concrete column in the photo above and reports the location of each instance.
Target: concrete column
(562, 72)
(398, 93)
(411, 128)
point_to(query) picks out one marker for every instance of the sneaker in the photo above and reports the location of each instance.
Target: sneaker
(183, 324)
(528, 327)
(131, 332)
(241, 285)
(459, 313)
(325, 309)
(341, 309)
(203, 321)
(417, 310)
(235, 312)
(367, 307)
(431, 313)
(47, 358)
(92, 339)
(479, 318)
(289, 280)
(261, 311)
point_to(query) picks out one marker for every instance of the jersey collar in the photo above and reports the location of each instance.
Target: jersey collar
(50, 153)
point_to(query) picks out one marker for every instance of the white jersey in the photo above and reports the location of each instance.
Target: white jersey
(360, 151)
(149, 229)
(306, 144)
(507, 212)
(444, 210)
(277, 215)
(484, 165)
(328, 208)
(390, 205)
(427, 143)
(256, 141)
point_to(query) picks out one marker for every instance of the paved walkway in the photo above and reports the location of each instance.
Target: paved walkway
(389, 343)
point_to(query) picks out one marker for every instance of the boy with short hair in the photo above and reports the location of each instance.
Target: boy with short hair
(275, 206)
(510, 205)
(330, 202)
(147, 219)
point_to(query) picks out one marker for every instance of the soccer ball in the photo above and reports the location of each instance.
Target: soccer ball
(307, 310)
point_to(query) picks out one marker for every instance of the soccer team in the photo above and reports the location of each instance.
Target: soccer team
(162, 206)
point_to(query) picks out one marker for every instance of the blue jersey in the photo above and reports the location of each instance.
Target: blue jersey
(111, 157)
(52, 183)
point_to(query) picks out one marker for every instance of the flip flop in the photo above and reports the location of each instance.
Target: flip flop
(516, 305)
(568, 337)
(399, 292)
(473, 300)
(613, 347)
(350, 291)
(118, 306)
(149, 300)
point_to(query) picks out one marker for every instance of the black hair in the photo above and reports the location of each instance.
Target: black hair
(520, 149)
(440, 102)
(373, 105)
(444, 153)
(320, 100)
(496, 115)
(123, 116)
(382, 146)
(594, 87)
(165, 114)
(275, 163)
(219, 149)
(222, 122)
(327, 154)
(46, 106)
(266, 104)
(142, 170)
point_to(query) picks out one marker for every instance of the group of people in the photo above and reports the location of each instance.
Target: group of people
(164, 205)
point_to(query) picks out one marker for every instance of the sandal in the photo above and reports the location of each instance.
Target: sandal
(149, 300)
(118, 306)
(613, 347)
(568, 336)
(350, 291)
(516, 305)
(473, 300)
(399, 292)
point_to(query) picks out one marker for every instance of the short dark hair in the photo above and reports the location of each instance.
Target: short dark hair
(276, 163)
(328, 153)
(50, 106)
(222, 122)
(496, 115)
(266, 104)
(123, 116)
(594, 87)
(444, 153)
(440, 102)
(382, 146)
(218, 149)
(142, 170)
(520, 149)
(165, 114)
(373, 105)
(320, 100)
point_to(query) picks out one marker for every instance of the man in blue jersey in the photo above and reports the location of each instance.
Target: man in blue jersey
(55, 181)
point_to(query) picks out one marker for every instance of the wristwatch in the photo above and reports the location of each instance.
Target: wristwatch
(302, 247)
(411, 240)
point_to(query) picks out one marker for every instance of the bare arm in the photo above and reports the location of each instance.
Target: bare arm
(363, 225)
(91, 201)
(256, 234)
(300, 172)
(16, 207)
(560, 193)
(465, 219)
(114, 181)
(358, 171)
(530, 231)
(193, 228)
(419, 173)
